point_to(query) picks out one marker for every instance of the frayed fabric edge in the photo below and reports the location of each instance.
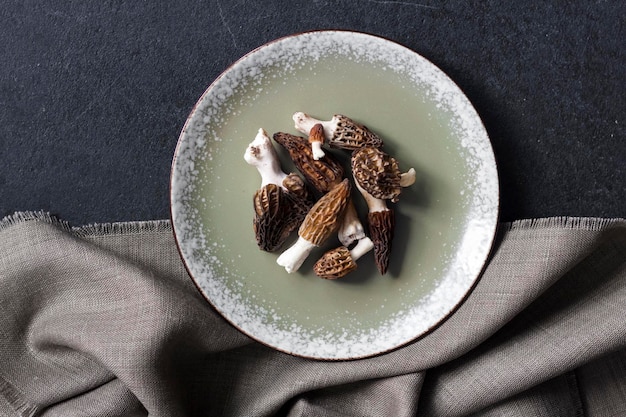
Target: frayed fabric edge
(95, 229)
(26, 216)
(564, 222)
(15, 399)
(99, 229)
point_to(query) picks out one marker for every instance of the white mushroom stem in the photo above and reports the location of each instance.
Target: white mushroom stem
(261, 154)
(407, 178)
(318, 152)
(304, 123)
(373, 203)
(293, 258)
(363, 246)
(351, 228)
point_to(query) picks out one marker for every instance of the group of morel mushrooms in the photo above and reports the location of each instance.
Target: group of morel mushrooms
(285, 203)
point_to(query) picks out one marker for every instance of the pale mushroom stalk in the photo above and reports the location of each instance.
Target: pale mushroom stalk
(351, 228)
(320, 222)
(408, 178)
(339, 132)
(261, 154)
(339, 262)
(363, 246)
(304, 123)
(293, 258)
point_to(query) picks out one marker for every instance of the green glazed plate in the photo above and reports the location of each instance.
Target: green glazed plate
(446, 221)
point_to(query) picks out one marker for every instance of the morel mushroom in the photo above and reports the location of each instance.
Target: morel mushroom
(319, 224)
(340, 131)
(316, 139)
(339, 262)
(277, 213)
(323, 175)
(381, 224)
(377, 177)
(281, 203)
(378, 173)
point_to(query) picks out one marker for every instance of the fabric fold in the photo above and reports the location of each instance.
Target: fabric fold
(104, 320)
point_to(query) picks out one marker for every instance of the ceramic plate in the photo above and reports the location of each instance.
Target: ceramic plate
(445, 222)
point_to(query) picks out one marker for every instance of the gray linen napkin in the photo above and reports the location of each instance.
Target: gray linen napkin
(103, 320)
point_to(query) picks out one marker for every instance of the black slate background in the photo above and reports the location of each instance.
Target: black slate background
(93, 94)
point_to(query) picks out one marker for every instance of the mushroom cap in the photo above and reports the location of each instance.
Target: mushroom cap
(317, 133)
(348, 134)
(296, 186)
(326, 214)
(381, 227)
(323, 174)
(335, 263)
(277, 213)
(377, 173)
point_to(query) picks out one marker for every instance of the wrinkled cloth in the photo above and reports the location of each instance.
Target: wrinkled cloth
(103, 320)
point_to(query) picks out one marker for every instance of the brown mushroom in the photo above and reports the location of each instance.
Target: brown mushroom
(378, 173)
(277, 213)
(319, 224)
(323, 175)
(381, 225)
(316, 139)
(340, 131)
(378, 178)
(282, 201)
(339, 262)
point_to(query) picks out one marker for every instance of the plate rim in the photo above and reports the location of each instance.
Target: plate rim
(489, 246)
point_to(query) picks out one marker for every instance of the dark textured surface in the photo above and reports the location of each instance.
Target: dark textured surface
(93, 95)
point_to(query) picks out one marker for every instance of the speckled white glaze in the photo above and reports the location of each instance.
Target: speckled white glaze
(425, 292)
